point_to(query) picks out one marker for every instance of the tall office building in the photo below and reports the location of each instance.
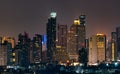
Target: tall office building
(6, 47)
(109, 51)
(76, 38)
(118, 42)
(61, 54)
(51, 36)
(62, 36)
(97, 48)
(22, 51)
(5, 54)
(113, 46)
(37, 48)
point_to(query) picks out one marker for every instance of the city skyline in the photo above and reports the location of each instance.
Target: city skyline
(60, 36)
(31, 16)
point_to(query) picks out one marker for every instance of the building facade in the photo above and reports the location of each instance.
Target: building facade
(21, 51)
(76, 39)
(61, 55)
(37, 48)
(6, 54)
(51, 36)
(113, 46)
(109, 51)
(97, 48)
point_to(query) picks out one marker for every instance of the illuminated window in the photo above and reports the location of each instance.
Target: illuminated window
(13, 59)
(13, 54)
(77, 22)
(100, 44)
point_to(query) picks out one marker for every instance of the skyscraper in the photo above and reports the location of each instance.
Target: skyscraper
(51, 36)
(76, 38)
(62, 36)
(37, 48)
(7, 44)
(22, 50)
(118, 41)
(114, 46)
(109, 51)
(5, 54)
(97, 48)
(61, 54)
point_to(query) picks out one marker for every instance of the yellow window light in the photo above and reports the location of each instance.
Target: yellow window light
(76, 22)
(13, 54)
(13, 60)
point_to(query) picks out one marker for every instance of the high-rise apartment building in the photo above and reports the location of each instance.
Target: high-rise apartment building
(6, 47)
(113, 46)
(51, 36)
(62, 36)
(97, 48)
(61, 46)
(5, 54)
(76, 38)
(37, 48)
(109, 51)
(21, 53)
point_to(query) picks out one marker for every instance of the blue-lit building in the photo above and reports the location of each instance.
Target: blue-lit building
(44, 38)
(51, 36)
(44, 48)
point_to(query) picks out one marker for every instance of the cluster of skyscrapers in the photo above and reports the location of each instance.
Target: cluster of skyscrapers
(61, 44)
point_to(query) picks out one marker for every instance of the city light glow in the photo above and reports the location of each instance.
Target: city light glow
(76, 22)
(53, 14)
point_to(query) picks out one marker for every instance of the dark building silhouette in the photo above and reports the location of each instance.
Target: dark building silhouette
(37, 49)
(22, 50)
(51, 36)
(83, 56)
(82, 19)
(118, 41)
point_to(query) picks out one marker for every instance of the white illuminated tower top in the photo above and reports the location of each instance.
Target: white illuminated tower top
(53, 14)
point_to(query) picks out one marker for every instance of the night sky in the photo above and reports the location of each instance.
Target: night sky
(17, 16)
